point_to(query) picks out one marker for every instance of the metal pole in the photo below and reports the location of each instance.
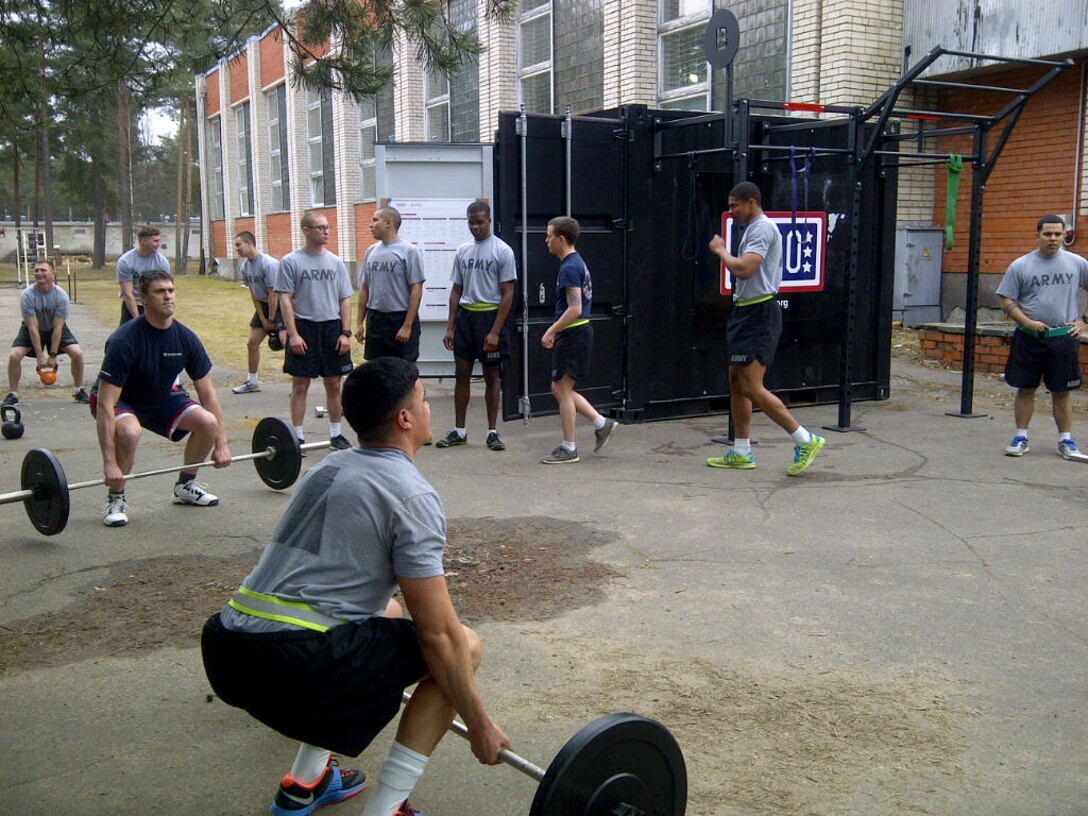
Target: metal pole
(523, 133)
(568, 137)
(979, 171)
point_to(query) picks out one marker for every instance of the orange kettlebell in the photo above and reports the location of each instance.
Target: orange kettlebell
(48, 376)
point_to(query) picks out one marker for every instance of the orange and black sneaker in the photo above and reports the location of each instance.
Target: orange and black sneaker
(406, 810)
(295, 799)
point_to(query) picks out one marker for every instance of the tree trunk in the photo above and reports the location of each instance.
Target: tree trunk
(179, 225)
(124, 153)
(45, 158)
(99, 257)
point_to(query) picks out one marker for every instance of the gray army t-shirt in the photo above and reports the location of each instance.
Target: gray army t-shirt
(46, 306)
(1046, 288)
(358, 520)
(480, 266)
(762, 237)
(388, 272)
(132, 264)
(260, 274)
(316, 283)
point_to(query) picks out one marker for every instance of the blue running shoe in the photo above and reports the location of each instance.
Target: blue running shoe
(1067, 449)
(1018, 446)
(295, 799)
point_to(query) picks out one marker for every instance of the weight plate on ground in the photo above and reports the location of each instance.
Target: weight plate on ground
(281, 470)
(49, 507)
(621, 759)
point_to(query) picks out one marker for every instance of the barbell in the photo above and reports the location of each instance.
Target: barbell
(276, 455)
(619, 765)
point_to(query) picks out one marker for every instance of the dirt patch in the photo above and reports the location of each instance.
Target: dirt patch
(771, 739)
(498, 570)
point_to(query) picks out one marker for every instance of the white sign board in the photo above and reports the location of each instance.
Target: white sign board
(437, 226)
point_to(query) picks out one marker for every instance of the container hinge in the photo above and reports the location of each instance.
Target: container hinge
(623, 134)
(619, 310)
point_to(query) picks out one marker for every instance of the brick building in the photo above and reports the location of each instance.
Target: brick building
(270, 150)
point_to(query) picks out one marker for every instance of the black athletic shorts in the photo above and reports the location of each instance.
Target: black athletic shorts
(125, 316)
(572, 352)
(752, 333)
(1052, 360)
(470, 328)
(334, 689)
(22, 339)
(255, 321)
(320, 359)
(381, 337)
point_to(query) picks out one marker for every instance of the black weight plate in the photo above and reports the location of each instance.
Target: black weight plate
(281, 470)
(618, 759)
(49, 507)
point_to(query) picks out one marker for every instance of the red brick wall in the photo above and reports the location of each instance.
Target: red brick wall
(363, 236)
(219, 239)
(991, 352)
(212, 105)
(1033, 176)
(271, 51)
(239, 78)
(246, 224)
(278, 226)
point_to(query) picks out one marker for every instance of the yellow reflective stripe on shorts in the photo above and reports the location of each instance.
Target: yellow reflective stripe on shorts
(581, 322)
(754, 301)
(480, 307)
(269, 607)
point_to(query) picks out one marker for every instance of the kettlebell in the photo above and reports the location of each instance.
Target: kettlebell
(48, 376)
(13, 425)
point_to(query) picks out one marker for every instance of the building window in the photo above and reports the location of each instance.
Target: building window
(437, 103)
(683, 77)
(368, 135)
(319, 138)
(278, 165)
(535, 56)
(245, 159)
(215, 166)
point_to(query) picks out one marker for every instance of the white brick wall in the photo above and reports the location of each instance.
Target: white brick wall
(630, 52)
(258, 137)
(408, 107)
(498, 72)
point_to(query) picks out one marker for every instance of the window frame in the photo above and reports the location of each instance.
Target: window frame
(674, 98)
(537, 69)
(244, 145)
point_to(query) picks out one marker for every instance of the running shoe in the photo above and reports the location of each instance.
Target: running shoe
(560, 456)
(804, 454)
(296, 799)
(1067, 449)
(248, 387)
(11, 399)
(732, 459)
(494, 443)
(81, 396)
(340, 442)
(1018, 446)
(114, 514)
(603, 434)
(194, 493)
(451, 440)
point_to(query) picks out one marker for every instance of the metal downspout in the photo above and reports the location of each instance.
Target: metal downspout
(523, 401)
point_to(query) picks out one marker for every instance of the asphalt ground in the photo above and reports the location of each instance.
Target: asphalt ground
(900, 630)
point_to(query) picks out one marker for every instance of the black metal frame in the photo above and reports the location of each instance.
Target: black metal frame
(869, 129)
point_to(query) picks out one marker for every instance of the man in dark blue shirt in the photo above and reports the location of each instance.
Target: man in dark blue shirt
(571, 339)
(136, 390)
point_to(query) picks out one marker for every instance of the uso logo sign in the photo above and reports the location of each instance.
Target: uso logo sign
(804, 247)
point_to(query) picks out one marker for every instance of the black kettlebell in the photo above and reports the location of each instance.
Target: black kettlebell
(13, 425)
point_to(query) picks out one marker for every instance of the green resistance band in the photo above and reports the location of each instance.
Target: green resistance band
(955, 167)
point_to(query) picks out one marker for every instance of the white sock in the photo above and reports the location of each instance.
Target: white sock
(251, 377)
(310, 763)
(599, 422)
(300, 432)
(401, 770)
(569, 446)
(461, 432)
(334, 429)
(742, 446)
(492, 431)
(1022, 432)
(1064, 435)
(801, 436)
